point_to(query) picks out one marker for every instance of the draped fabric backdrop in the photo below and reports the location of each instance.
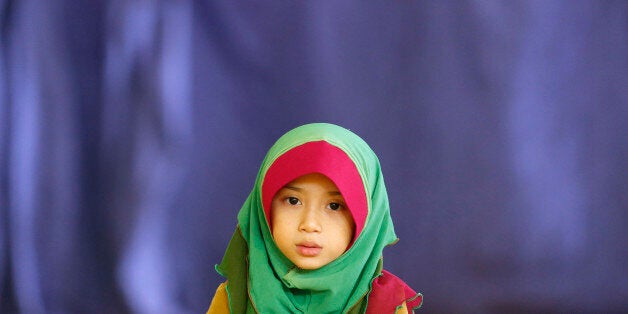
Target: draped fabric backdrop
(131, 133)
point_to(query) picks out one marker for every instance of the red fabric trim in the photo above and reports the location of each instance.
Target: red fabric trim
(320, 157)
(388, 292)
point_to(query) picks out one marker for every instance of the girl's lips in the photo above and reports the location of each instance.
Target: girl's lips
(308, 249)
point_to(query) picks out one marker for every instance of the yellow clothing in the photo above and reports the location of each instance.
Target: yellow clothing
(402, 309)
(220, 303)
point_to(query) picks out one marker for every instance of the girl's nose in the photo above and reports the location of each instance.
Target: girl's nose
(310, 221)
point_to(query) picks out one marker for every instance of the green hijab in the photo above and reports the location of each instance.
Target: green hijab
(261, 279)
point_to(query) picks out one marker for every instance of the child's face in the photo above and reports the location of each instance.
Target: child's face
(311, 224)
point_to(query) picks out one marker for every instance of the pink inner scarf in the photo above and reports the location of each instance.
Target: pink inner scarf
(318, 157)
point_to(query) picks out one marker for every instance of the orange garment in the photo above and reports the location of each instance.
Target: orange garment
(220, 302)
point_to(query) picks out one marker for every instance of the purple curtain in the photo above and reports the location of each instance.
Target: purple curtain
(131, 133)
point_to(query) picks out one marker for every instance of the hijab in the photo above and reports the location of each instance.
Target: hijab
(260, 278)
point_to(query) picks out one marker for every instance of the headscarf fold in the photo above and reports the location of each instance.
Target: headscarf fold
(260, 278)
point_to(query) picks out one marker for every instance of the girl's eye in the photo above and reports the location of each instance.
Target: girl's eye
(334, 206)
(293, 201)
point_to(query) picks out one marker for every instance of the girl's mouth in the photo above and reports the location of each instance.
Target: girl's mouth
(309, 249)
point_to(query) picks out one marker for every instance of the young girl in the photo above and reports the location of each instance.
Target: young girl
(311, 233)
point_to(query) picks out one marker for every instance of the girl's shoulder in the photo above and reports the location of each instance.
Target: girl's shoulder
(220, 302)
(390, 293)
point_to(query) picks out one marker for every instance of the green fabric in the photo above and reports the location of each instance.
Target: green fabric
(234, 267)
(274, 284)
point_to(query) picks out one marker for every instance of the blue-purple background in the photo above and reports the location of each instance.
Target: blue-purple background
(131, 133)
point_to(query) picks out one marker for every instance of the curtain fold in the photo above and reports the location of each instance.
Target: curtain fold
(131, 133)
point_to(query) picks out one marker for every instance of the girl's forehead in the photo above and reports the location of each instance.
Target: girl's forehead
(312, 180)
(323, 158)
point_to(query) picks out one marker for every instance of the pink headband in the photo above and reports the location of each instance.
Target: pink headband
(320, 157)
